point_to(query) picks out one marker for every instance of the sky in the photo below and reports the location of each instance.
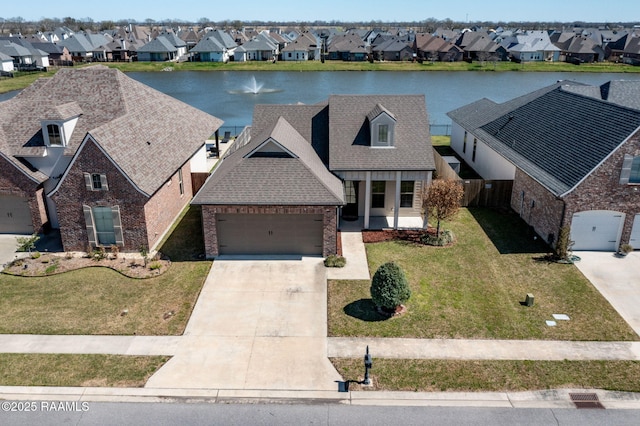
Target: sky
(328, 10)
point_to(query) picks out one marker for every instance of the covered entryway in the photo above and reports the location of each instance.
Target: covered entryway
(15, 215)
(634, 240)
(597, 230)
(300, 234)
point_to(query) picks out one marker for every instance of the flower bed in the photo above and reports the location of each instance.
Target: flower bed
(50, 264)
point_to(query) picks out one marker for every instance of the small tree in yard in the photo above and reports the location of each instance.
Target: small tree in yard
(389, 287)
(442, 200)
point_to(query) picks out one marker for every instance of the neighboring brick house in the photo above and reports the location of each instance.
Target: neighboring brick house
(302, 168)
(105, 159)
(573, 152)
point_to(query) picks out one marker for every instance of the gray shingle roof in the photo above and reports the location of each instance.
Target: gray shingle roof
(243, 179)
(121, 114)
(349, 134)
(558, 137)
(158, 44)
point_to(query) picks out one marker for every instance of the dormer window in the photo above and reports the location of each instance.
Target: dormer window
(383, 133)
(54, 135)
(382, 125)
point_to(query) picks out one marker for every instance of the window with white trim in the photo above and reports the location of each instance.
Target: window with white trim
(377, 193)
(180, 182)
(103, 224)
(54, 134)
(634, 176)
(630, 173)
(96, 182)
(383, 133)
(406, 193)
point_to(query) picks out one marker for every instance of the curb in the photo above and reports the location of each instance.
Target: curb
(554, 398)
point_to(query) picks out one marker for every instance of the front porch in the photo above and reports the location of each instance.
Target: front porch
(379, 222)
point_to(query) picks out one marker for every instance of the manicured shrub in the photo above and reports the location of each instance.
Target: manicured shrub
(444, 239)
(335, 261)
(389, 287)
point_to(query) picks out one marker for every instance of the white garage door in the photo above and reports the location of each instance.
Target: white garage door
(635, 233)
(597, 230)
(15, 215)
(270, 234)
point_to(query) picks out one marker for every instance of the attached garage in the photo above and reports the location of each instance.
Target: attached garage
(15, 215)
(597, 230)
(300, 234)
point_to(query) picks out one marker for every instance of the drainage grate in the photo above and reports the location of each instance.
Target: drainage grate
(585, 400)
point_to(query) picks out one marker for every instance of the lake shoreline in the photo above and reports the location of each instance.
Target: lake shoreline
(22, 81)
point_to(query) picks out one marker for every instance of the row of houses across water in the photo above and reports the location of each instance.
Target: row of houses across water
(64, 46)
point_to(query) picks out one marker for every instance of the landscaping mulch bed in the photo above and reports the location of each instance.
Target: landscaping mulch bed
(412, 235)
(51, 264)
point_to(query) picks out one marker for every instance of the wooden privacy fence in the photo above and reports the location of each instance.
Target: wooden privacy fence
(477, 192)
(197, 180)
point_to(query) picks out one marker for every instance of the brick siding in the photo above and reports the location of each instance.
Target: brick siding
(599, 191)
(166, 204)
(144, 220)
(209, 225)
(14, 182)
(602, 189)
(73, 194)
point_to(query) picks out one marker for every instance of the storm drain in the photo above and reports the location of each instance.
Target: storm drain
(585, 400)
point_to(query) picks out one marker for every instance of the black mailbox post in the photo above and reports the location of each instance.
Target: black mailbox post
(367, 366)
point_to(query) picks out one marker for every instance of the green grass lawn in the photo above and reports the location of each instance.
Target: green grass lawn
(473, 289)
(77, 370)
(493, 376)
(92, 300)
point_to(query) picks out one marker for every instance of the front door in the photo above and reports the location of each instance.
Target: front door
(350, 210)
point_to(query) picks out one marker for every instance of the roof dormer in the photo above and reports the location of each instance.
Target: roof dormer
(382, 125)
(58, 124)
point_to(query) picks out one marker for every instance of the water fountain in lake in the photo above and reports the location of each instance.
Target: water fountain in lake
(254, 88)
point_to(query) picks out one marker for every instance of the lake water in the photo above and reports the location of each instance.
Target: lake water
(228, 94)
(224, 94)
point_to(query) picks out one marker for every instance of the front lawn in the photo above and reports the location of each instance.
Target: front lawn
(474, 289)
(423, 375)
(102, 301)
(77, 370)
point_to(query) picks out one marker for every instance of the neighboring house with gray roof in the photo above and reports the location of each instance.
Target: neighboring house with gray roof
(165, 47)
(304, 168)
(85, 46)
(99, 156)
(23, 53)
(6, 62)
(260, 48)
(531, 46)
(573, 153)
(210, 49)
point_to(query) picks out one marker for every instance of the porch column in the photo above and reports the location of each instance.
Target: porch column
(367, 199)
(396, 208)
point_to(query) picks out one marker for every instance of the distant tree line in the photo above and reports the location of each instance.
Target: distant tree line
(20, 25)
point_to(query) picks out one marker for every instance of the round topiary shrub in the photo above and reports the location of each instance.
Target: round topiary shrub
(389, 287)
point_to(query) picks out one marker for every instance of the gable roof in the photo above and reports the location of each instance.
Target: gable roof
(578, 133)
(133, 123)
(158, 44)
(301, 179)
(349, 134)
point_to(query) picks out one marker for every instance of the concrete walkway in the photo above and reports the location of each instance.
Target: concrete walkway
(258, 324)
(357, 267)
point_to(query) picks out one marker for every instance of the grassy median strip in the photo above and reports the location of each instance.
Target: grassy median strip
(77, 370)
(491, 376)
(474, 289)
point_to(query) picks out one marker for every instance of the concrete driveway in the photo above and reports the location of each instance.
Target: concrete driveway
(617, 279)
(258, 324)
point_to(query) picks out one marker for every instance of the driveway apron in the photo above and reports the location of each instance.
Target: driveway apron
(617, 279)
(258, 324)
